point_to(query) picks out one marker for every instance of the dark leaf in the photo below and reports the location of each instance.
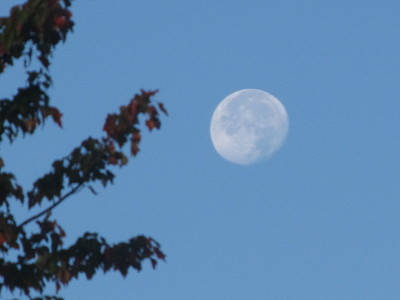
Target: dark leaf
(162, 108)
(92, 190)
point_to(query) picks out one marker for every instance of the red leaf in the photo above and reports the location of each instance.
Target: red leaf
(110, 147)
(64, 276)
(68, 14)
(159, 254)
(150, 124)
(30, 124)
(132, 108)
(134, 148)
(60, 21)
(56, 115)
(2, 239)
(136, 137)
(110, 125)
(57, 119)
(112, 160)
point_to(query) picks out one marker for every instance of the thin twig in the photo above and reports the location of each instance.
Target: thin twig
(51, 207)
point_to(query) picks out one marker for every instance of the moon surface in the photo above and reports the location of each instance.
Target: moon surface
(249, 126)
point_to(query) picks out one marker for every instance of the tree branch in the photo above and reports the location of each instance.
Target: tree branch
(51, 207)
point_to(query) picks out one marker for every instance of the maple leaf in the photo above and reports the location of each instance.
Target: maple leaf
(2, 239)
(159, 254)
(31, 124)
(56, 115)
(110, 126)
(150, 124)
(44, 60)
(136, 137)
(60, 21)
(133, 108)
(134, 148)
(68, 13)
(112, 160)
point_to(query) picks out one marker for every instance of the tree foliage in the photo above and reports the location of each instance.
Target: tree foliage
(31, 32)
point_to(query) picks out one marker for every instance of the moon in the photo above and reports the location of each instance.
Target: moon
(249, 126)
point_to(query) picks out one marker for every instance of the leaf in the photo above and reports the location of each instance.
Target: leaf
(134, 149)
(2, 239)
(153, 263)
(159, 254)
(64, 276)
(161, 106)
(44, 60)
(112, 160)
(136, 137)
(110, 125)
(151, 124)
(30, 124)
(55, 113)
(60, 21)
(92, 190)
(124, 160)
(133, 108)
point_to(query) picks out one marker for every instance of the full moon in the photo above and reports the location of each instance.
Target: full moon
(249, 126)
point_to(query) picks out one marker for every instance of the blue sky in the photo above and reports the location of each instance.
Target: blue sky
(319, 220)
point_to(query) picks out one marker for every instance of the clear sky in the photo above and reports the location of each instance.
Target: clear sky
(319, 220)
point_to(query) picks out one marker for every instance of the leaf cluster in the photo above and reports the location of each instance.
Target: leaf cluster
(40, 256)
(36, 25)
(33, 29)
